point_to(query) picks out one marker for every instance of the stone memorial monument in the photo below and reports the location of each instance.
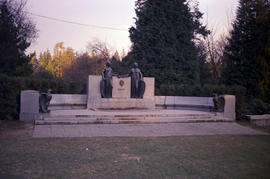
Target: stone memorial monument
(112, 92)
(129, 91)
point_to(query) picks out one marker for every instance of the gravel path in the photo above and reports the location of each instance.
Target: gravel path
(144, 130)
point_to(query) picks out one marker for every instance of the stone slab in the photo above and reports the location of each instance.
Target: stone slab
(86, 112)
(149, 88)
(68, 99)
(143, 130)
(184, 101)
(93, 87)
(229, 108)
(29, 105)
(121, 103)
(121, 87)
(260, 120)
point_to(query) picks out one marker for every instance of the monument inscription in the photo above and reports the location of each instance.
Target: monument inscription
(121, 87)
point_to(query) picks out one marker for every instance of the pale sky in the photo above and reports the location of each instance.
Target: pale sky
(108, 13)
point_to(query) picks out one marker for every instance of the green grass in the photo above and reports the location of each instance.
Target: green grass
(136, 157)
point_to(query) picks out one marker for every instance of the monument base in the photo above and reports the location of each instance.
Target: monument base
(120, 95)
(119, 103)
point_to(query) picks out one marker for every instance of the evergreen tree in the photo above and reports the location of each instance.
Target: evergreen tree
(16, 34)
(164, 40)
(246, 57)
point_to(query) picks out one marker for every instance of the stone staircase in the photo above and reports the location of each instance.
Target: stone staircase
(66, 117)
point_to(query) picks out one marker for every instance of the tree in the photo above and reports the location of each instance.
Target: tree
(246, 57)
(99, 49)
(16, 34)
(123, 54)
(44, 59)
(164, 40)
(34, 62)
(83, 66)
(67, 61)
(116, 56)
(61, 61)
(211, 56)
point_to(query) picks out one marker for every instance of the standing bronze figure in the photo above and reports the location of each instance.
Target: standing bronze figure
(106, 82)
(137, 83)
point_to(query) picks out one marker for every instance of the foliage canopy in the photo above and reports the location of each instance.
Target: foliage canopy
(16, 35)
(164, 40)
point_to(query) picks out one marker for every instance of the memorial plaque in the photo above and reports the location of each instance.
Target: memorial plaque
(121, 87)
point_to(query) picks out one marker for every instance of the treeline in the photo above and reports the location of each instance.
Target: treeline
(72, 66)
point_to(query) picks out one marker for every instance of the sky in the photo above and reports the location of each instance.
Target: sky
(117, 14)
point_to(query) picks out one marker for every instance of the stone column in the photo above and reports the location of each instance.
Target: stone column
(229, 108)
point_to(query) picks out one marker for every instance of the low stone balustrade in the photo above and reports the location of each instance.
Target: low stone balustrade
(184, 102)
(68, 101)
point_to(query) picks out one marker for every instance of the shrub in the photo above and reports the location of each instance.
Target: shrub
(206, 91)
(256, 107)
(10, 88)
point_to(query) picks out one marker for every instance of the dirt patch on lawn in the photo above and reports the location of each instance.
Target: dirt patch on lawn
(130, 157)
(15, 129)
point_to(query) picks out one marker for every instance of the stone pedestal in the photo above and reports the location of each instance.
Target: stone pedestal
(121, 88)
(29, 110)
(120, 95)
(229, 108)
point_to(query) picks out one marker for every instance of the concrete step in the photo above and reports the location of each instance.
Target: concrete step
(133, 117)
(128, 116)
(143, 120)
(122, 112)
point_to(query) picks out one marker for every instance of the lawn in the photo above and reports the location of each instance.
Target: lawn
(133, 157)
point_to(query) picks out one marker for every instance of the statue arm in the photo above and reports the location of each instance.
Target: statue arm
(102, 74)
(141, 76)
(114, 74)
(125, 75)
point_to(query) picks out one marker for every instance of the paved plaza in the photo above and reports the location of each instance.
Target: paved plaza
(144, 130)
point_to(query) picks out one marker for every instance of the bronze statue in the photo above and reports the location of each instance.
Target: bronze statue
(44, 101)
(106, 82)
(137, 83)
(219, 102)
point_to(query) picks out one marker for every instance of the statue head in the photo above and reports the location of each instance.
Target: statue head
(108, 64)
(135, 65)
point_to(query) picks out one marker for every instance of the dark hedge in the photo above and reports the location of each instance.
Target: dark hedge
(10, 88)
(206, 91)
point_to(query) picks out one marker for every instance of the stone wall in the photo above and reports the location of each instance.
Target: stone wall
(29, 108)
(68, 101)
(29, 105)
